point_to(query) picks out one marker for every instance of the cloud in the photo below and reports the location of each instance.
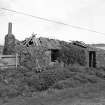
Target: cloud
(84, 13)
(5, 3)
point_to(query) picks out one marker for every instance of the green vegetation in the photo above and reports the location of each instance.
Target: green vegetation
(71, 54)
(33, 57)
(53, 82)
(25, 82)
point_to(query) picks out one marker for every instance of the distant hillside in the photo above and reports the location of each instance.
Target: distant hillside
(98, 45)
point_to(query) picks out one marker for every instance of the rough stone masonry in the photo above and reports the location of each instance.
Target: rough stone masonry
(9, 46)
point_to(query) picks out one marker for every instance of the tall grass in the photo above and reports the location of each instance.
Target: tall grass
(25, 82)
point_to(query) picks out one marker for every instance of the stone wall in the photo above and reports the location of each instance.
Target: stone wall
(9, 46)
(87, 57)
(100, 58)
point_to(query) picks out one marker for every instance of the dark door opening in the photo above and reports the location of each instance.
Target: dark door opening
(92, 59)
(54, 55)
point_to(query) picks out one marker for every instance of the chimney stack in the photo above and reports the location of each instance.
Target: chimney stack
(9, 28)
(9, 46)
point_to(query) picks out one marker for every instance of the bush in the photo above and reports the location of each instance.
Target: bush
(8, 90)
(33, 58)
(68, 83)
(49, 77)
(71, 54)
(33, 81)
(54, 74)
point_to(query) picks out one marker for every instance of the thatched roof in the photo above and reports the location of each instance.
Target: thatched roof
(49, 43)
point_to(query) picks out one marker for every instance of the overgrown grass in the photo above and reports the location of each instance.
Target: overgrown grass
(90, 93)
(26, 82)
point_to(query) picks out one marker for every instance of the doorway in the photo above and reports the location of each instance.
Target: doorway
(92, 59)
(54, 55)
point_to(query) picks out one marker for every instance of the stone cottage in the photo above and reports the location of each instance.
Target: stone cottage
(95, 57)
(50, 46)
(28, 46)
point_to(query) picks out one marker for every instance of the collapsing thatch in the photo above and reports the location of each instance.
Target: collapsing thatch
(44, 42)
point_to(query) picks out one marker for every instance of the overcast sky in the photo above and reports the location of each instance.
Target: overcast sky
(84, 13)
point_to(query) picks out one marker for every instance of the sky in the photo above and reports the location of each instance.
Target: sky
(83, 13)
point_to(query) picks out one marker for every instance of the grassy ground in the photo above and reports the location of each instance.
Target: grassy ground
(71, 86)
(87, 95)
